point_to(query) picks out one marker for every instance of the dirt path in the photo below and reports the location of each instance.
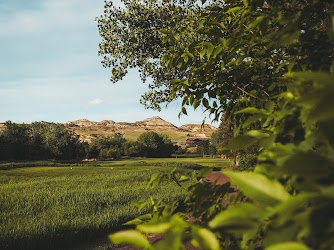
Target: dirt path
(219, 177)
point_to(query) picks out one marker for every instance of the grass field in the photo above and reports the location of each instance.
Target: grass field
(54, 206)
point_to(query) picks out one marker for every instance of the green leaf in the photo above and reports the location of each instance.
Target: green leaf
(328, 191)
(155, 179)
(202, 53)
(257, 134)
(140, 205)
(250, 120)
(250, 110)
(209, 50)
(233, 10)
(217, 51)
(154, 228)
(130, 237)
(269, 106)
(241, 142)
(289, 38)
(257, 21)
(204, 238)
(184, 111)
(239, 60)
(241, 216)
(134, 222)
(288, 246)
(206, 103)
(183, 178)
(196, 103)
(204, 172)
(308, 165)
(259, 188)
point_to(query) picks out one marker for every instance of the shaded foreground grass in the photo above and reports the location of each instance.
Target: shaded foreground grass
(50, 212)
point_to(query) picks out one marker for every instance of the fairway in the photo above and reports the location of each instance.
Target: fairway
(44, 207)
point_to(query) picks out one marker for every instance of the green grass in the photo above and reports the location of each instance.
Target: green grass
(55, 206)
(205, 162)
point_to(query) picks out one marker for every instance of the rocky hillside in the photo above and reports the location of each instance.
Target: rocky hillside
(88, 130)
(154, 122)
(197, 127)
(2, 127)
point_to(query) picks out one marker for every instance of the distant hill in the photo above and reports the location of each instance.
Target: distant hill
(197, 127)
(88, 130)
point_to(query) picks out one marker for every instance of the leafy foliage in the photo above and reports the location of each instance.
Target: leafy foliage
(268, 65)
(39, 141)
(107, 148)
(148, 144)
(155, 145)
(131, 38)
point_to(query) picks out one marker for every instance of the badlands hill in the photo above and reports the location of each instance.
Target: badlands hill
(88, 130)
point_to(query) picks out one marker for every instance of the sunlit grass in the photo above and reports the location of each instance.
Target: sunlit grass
(39, 212)
(52, 206)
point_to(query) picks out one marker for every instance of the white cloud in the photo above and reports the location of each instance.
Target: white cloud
(95, 102)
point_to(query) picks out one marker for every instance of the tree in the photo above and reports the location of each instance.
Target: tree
(40, 141)
(107, 148)
(155, 145)
(203, 148)
(132, 149)
(269, 66)
(15, 141)
(131, 38)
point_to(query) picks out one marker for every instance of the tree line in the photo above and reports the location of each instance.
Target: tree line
(148, 144)
(42, 141)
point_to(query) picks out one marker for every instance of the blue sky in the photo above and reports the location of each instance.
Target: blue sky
(50, 69)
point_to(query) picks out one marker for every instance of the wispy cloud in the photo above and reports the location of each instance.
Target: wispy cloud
(95, 102)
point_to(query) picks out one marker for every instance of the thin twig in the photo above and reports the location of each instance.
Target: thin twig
(168, 8)
(263, 90)
(245, 92)
(247, 28)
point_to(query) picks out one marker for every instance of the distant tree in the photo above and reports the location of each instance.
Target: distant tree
(93, 151)
(107, 148)
(179, 150)
(155, 145)
(38, 141)
(61, 143)
(132, 149)
(203, 147)
(114, 152)
(117, 140)
(216, 138)
(212, 150)
(15, 141)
